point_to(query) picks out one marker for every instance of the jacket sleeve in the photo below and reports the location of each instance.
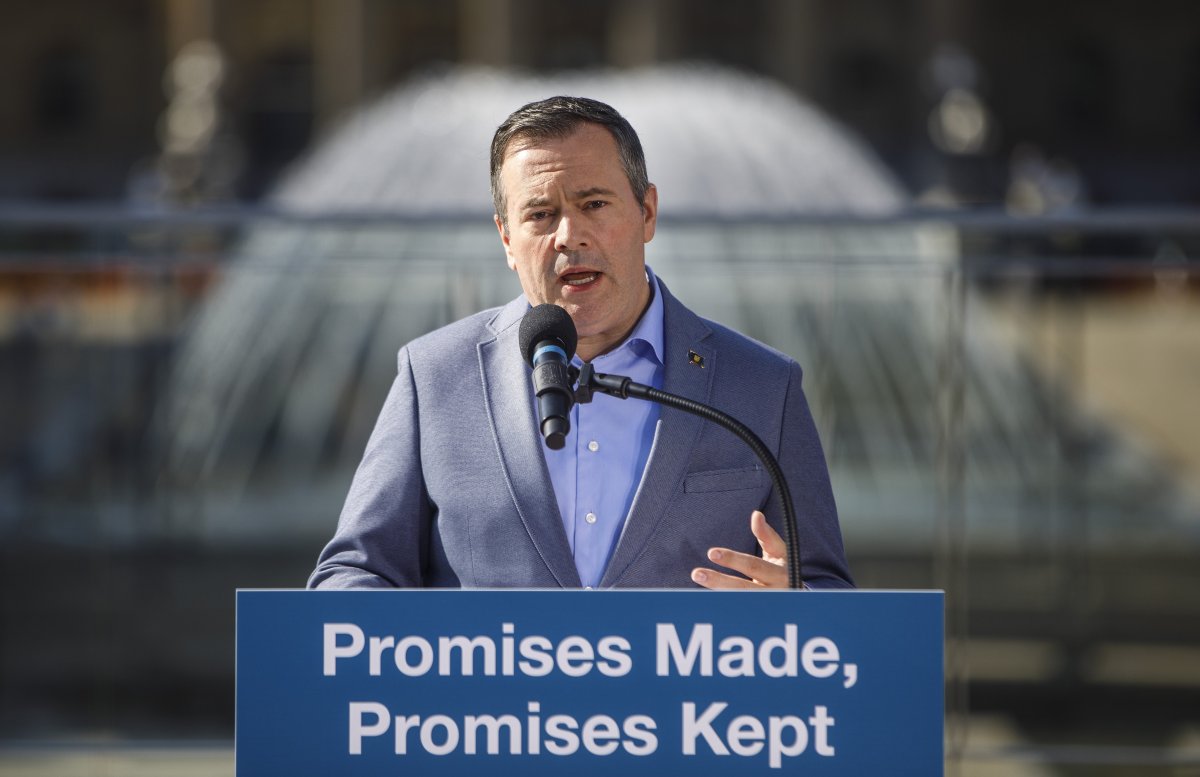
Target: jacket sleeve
(382, 537)
(822, 556)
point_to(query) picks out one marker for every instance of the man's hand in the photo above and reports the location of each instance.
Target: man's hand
(770, 571)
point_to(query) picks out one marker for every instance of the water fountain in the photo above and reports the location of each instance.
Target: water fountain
(284, 370)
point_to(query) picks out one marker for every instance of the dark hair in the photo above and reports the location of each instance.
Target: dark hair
(558, 117)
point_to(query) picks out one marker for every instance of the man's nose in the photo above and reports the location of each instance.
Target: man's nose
(570, 235)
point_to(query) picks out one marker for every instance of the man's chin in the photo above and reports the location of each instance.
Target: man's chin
(587, 322)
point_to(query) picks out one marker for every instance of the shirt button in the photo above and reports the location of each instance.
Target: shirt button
(593, 446)
(590, 517)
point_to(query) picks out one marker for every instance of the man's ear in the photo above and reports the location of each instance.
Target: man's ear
(512, 264)
(649, 213)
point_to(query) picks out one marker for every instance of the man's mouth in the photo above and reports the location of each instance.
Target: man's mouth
(579, 278)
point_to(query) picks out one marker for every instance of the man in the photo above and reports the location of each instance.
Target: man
(456, 487)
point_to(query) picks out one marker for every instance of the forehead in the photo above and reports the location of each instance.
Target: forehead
(588, 156)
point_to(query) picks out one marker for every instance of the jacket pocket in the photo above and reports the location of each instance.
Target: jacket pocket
(724, 480)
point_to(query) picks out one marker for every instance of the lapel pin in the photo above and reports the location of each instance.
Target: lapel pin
(696, 359)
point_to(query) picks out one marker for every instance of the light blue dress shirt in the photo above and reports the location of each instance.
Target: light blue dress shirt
(598, 471)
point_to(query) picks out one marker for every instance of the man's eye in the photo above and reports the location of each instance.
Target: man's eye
(538, 215)
(592, 204)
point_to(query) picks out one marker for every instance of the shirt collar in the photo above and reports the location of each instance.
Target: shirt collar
(649, 328)
(646, 339)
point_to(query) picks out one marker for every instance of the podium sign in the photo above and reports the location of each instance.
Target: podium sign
(588, 682)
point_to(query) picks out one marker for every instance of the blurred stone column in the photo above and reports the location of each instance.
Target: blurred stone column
(945, 20)
(198, 160)
(187, 21)
(642, 32)
(950, 552)
(946, 62)
(793, 44)
(339, 59)
(492, 32)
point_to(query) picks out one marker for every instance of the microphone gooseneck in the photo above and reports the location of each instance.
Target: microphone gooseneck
(548, 339)
(622, 387)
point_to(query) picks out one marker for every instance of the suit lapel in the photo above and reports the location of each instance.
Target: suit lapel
(675, 436)
(506, 386)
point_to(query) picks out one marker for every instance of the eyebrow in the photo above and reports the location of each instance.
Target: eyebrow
(538, 201)
(593, 191)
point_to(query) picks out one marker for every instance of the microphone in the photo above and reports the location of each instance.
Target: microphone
(548, 339)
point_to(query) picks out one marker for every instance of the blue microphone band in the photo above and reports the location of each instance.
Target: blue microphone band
(542, 350)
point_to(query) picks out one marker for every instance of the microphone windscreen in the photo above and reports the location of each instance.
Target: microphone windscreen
(547, 322)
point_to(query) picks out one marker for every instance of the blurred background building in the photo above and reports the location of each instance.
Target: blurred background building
(963, 99)
(975, 223)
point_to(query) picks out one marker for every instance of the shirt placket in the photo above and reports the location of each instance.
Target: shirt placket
(589, 480)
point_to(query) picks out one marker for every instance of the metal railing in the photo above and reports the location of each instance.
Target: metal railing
(1006, 405)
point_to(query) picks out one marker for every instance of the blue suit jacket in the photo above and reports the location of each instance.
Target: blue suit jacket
(453, 489)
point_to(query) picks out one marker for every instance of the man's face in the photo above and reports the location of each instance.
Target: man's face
(576, 235)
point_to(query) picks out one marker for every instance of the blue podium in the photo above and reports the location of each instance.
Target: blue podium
(437, 682)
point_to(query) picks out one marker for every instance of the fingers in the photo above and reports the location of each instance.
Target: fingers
(760, 572)
(769, 571)
(773, 546)
(718, 581)
(764, 571)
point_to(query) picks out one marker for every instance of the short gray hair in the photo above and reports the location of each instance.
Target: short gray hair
(558, 117)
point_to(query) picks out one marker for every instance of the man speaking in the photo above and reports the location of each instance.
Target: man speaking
(456, 487)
